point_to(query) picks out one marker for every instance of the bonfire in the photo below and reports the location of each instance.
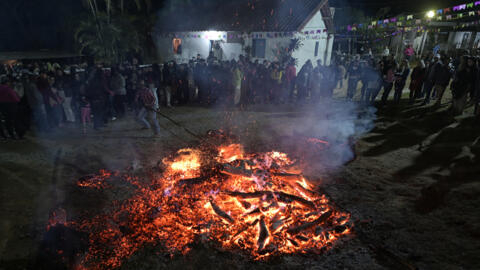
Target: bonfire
(258, 204)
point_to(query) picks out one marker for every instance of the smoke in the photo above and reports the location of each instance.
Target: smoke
(323, 134)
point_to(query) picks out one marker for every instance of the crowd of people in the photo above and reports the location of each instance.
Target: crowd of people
(49, 96)
(430, 76)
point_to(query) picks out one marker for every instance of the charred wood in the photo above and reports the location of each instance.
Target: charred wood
(220, 212)
(263, 235)
(308, 225)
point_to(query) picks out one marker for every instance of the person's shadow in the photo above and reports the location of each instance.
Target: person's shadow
(444, 152)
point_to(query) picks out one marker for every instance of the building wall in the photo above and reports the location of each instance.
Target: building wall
(307, 51)
(459, 40)
(193, 46)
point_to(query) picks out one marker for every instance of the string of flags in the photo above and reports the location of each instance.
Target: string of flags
(446, 14)
(311, 34)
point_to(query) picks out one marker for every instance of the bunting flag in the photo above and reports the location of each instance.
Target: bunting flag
(470, 9)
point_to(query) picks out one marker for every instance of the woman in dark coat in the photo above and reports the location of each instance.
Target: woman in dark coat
(418, 74)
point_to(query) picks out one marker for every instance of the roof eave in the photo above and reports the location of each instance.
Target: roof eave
(310, 16)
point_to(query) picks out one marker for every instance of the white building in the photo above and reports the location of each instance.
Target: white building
(260, 29)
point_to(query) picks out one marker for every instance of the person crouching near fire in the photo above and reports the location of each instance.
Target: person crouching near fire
(148, 103)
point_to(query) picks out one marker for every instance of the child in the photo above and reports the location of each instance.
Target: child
(85, 111)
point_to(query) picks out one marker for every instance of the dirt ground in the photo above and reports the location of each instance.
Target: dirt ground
(413, 189)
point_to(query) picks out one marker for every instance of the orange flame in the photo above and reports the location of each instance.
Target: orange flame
(250, 202)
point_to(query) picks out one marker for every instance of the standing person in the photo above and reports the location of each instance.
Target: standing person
(276, 86)
(329, 81)
(237, 77)
(96, 94)
(9, 109)
(182, 83)
(416, 82)
(148, 103)
(54, 101)
(78, 90)
(166, 81)
(409, 52)
(463, 83)
(118, 87)
(340, 74)
(85, 112)
(429, 81)
(131, 83)
(441, 79)
(476, 111)
(303, 81)
(36, 103)
(386, 52)
(364, 79)
(353, 74)
(374, 83)
(68, 96)
(400, 80)
(199, 75)
(388, 79)
(318, 81)
(290, 76)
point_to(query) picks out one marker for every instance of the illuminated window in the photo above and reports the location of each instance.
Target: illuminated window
(177, 46)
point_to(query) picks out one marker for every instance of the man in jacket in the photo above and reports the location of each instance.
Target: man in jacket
(441, 79)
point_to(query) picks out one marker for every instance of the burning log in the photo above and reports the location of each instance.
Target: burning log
(263, 235)
(288, 176)
(193, 181)
(251, 195)
(302, 238)
(308, 225)
(220, 212)
(273, 210)
(285, 197)
(282, 196)
(235, 171)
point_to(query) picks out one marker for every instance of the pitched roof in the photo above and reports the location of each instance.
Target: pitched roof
(245, 15)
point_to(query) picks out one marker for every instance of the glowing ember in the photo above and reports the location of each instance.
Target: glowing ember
(257, 203)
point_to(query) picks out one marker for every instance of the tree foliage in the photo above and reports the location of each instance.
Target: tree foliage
(114, 28)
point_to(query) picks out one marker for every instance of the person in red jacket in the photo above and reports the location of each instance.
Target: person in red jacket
(9, 110)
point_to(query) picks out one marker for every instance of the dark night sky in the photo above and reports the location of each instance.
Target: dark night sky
(45, 24)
